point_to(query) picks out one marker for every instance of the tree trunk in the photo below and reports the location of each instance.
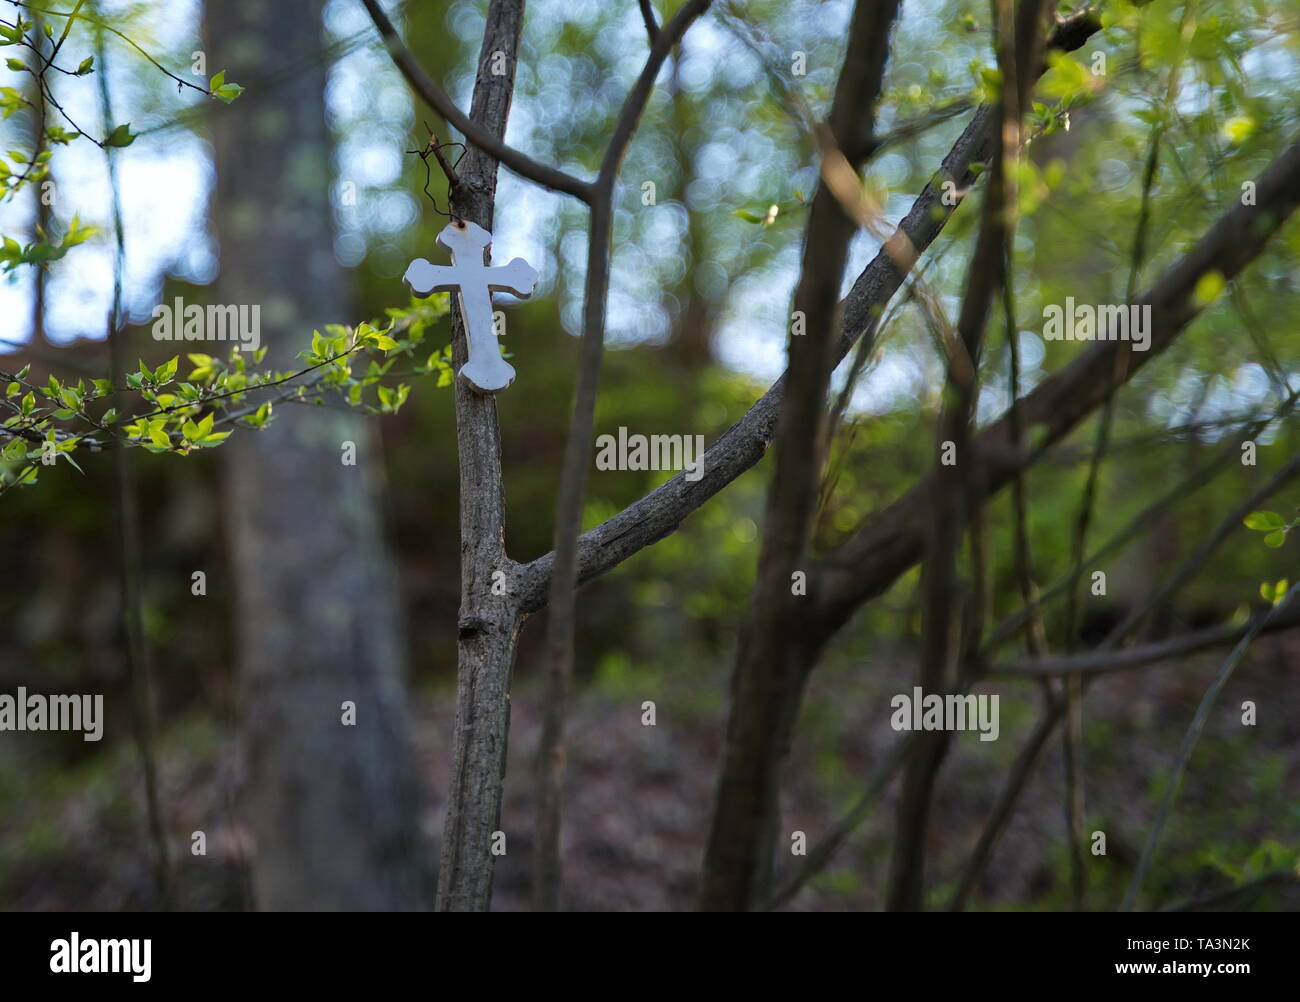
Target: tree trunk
(333, 807)
(774, 654)
(489, 623)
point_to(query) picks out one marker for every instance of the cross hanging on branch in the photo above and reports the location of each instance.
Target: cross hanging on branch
(474, 281)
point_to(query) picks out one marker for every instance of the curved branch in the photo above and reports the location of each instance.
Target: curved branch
(872, 560)
(648, 16)
(770, 663)
(436, 98)
(1101, 661)
(573, 478)
(661, 511)
(1189, 745)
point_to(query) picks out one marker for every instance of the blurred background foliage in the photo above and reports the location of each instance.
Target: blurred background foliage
(698, 306)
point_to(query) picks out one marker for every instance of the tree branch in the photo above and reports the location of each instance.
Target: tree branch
(661, 511)
(1189, 744)
(957, 486)
(648, 16)
(771, 658)
(1100, 662)
(869, 563)
(488, 622)
(573, 477)
(474, 132)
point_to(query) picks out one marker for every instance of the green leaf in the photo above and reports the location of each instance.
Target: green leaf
(85, 66)
(1238, 129)
(1275, 539)
(1265, 521)
(1208, 288)
(120, 136)
(260, 417)
(223, 91)
(204, 366)
(60, 135)
(747, 216)
(17, 65)
(166, 372)
(385, 342)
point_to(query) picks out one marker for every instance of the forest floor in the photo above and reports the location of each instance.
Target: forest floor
(638, 796)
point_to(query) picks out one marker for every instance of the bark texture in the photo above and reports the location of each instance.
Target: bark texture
(333, 808)
(774, 654)
(489, 623)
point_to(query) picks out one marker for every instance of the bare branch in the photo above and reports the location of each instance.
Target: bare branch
(1022, 770)
(661, 511)
(772, 660)
(1282, 180)
(483, 138)
(1189, 744)
(1228, 524)
(648, 16)
(488, 623)
(1103, 661)
(891, 542)
(1139, 523)
(573, 476)
(957, 489)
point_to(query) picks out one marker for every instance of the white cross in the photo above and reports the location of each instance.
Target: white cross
(470, 277)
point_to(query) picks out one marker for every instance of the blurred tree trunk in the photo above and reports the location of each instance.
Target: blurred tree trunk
(42, 199)
(333, 808)
(692, 329)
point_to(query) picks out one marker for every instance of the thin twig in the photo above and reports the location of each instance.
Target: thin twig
(648, 16)
(138, 652)
(1193, 734)
(573, 475)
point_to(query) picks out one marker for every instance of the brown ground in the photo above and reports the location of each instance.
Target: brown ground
(638, 797)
